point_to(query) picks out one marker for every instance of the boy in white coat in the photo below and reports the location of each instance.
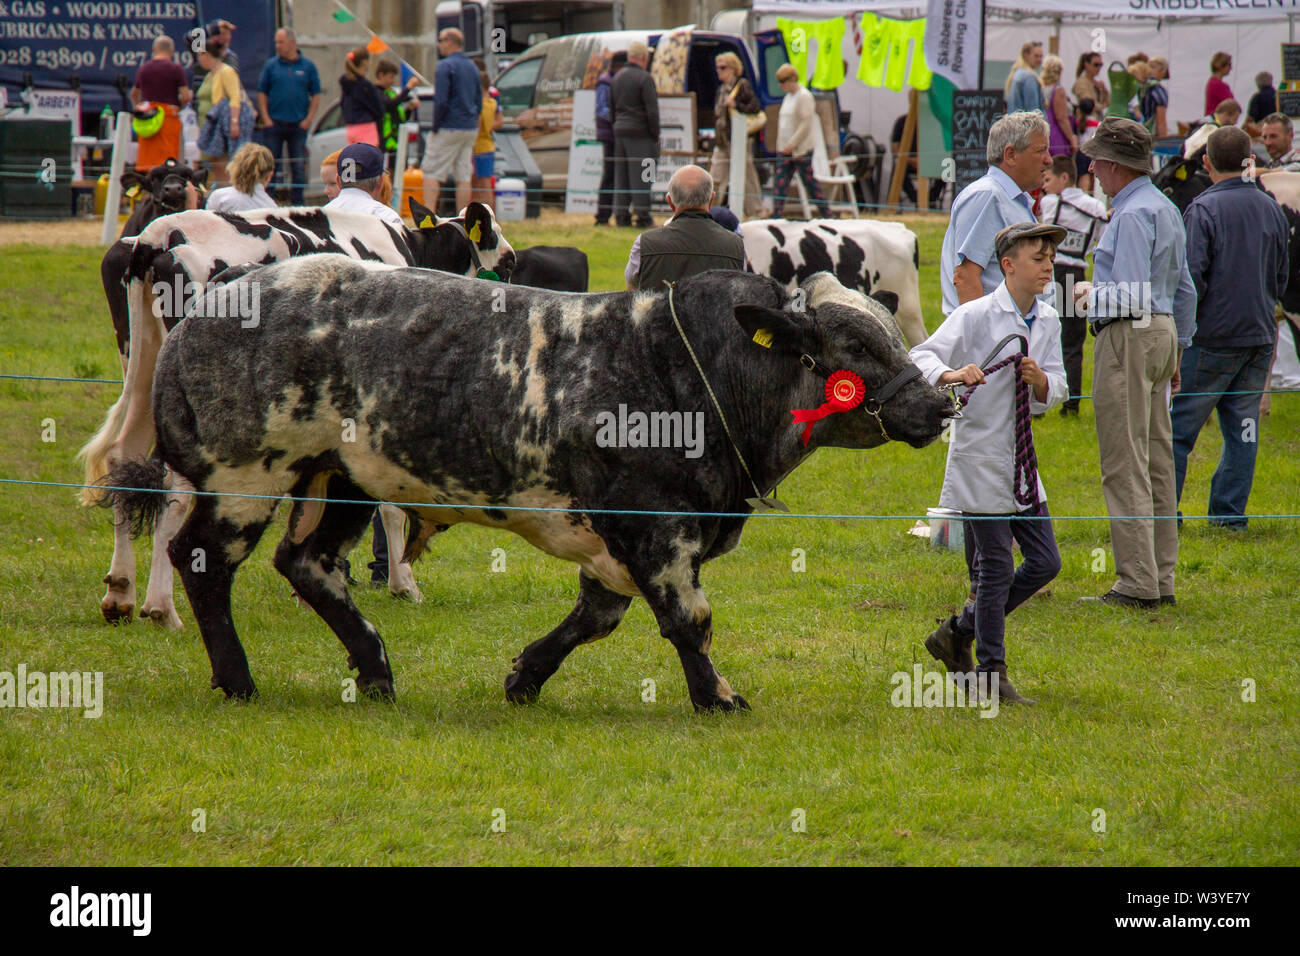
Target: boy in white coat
(980, 475)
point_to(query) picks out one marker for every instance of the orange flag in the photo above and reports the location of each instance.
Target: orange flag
(376, 45)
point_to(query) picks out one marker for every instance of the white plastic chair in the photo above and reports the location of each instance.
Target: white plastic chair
(831, 174)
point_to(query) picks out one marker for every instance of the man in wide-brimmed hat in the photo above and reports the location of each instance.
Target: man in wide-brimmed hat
(1142, 308)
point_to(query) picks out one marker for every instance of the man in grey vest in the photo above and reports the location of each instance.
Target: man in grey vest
(691, 242)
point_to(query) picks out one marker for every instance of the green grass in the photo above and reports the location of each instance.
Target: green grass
(1139, 715)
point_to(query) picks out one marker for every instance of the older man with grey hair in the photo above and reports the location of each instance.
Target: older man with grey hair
(1018, 157)
(690, 242)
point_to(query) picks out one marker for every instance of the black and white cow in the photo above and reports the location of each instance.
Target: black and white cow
(168, 187)
(864, 254)
(558, 268)
(488, 411)
(192, 248)
(1182, 180)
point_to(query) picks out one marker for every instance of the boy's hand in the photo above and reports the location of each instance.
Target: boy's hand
(412, 81)
(1031, 373)
(970, 375)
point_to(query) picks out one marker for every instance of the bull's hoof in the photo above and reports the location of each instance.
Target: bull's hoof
(522, 688)
(722, 705)
(235, 688)
(163, 616)
(410, 593)
(380, 688)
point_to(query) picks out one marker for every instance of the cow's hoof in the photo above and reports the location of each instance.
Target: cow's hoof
(118, 603)
(116, 613)
(409, 593)
(522, 688)
(163, 616)
(723, 705)
(380, 688)
(236, 688)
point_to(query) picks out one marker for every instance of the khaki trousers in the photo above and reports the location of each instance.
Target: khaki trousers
(1133, 362)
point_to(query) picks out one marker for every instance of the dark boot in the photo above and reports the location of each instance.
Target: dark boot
(945, 645)
(1006, 691)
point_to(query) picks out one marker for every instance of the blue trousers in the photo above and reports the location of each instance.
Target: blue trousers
(278, 137)
(1003, 587)
(1241, 370)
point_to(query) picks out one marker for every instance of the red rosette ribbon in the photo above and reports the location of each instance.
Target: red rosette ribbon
(844, 392)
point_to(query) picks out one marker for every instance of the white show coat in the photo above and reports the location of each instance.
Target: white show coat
(982, 452)
(351, 199)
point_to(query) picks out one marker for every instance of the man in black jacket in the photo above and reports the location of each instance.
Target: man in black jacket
(636, 136)
(691, 242)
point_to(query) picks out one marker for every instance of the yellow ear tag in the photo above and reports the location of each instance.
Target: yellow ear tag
(476, 233)
(1182, 173)
(764, 338)
(426, 222)
(134, 191)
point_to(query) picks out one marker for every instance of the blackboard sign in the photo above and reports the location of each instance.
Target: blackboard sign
(1290, 62)
(973, 113)
(1288, 103)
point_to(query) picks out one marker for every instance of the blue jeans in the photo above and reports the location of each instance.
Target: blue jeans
(1241, 370)
(276, 137)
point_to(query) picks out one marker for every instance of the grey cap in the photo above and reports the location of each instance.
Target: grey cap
(1010, 235)
(1121, 141)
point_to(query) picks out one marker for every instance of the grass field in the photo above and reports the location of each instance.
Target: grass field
(1141, 715)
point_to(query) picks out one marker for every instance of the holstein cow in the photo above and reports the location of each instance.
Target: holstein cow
(457, 403)
(169, 187)
(172, 259)
(558, 268)
(863, 254)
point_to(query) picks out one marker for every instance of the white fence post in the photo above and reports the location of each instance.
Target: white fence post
(399, 162)
(121, 140)
(736, 181)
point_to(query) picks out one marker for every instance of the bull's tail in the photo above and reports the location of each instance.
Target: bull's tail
(138, 491)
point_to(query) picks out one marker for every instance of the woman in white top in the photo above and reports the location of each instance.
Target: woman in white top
(251, 169)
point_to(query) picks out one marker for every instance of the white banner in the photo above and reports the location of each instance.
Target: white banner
(1227, 10)
(586, 156)
(953, 30)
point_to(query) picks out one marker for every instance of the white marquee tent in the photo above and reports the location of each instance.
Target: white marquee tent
(1187, 32)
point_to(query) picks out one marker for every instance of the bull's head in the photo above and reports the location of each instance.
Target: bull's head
(468, 244)
(169, 183)
(828, 328)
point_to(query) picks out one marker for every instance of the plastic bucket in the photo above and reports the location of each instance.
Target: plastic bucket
(512, 198)
(946, 529)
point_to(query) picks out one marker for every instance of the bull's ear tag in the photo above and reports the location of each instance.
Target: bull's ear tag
(764, 338)
(476, 233)
(133, 191)
(767, 504)
(426, 222)
(1181, 173)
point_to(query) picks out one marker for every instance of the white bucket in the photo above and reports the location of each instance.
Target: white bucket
(946, 529)
(511, 199)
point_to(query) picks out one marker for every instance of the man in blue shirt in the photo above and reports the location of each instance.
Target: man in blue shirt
(288, 95)
(1142, 309)
(1018, 157)
(457, 101)
(1237, 238)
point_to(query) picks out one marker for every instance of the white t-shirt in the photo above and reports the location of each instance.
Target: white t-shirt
(352, 199)
(230, 199)
(1084, 218)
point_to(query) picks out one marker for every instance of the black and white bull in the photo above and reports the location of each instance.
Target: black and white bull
(558, 268)
(459, 403)
(177, 254)
(863, 254)
(1182, 180)
(168, 187)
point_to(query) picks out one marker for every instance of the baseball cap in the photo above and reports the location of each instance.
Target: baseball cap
(358, 162)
